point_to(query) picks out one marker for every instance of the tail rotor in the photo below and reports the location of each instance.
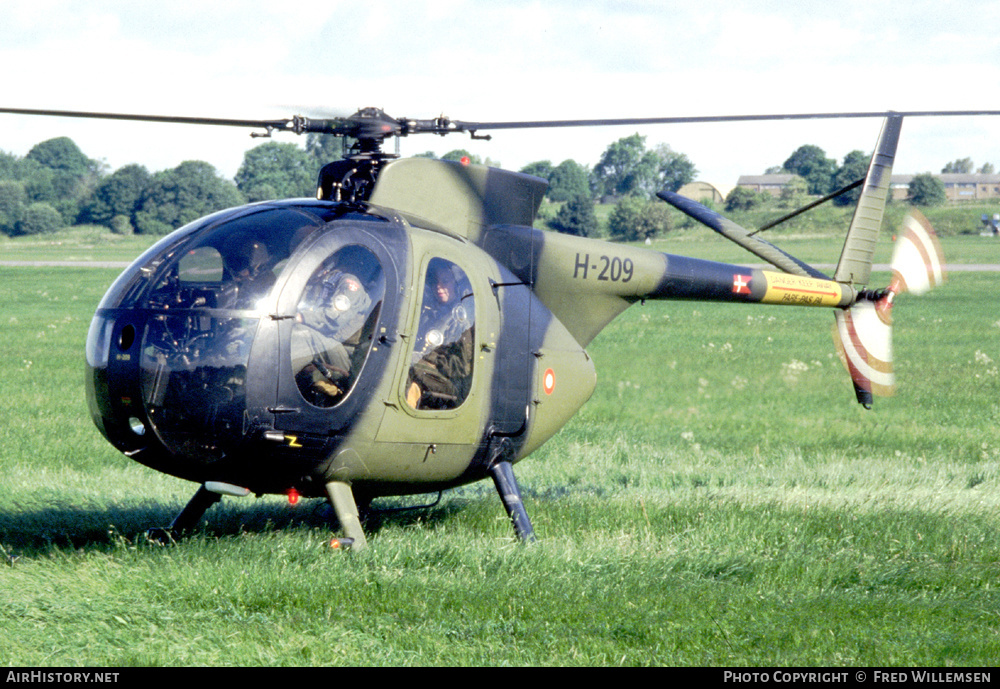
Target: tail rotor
(863, 333)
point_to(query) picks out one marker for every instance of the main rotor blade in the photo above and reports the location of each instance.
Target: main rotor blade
(472, 126)
(149, 118)
(374, 124)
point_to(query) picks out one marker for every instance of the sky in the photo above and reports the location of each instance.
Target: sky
(513, 60)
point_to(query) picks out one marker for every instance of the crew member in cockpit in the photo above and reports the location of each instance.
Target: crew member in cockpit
(325, 325)
(248, 264)
(441, 367)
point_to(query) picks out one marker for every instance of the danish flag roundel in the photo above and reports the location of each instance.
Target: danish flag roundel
(549, 381)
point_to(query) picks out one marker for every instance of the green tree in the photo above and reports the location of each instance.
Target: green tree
(961, 165)
(576, 217)
(39, 182)
(122, 224)
(325, 148)
(568, 180)
(854, 167)
(795, 193)
(13, 200)
(987, 169)
(673, 169)
(118, 194)
(40, 218)
(926, 190)
(540, 168)
(625, 167)
(624, 219)
(636, 219)
(655, 220)
(810, 163)
(276, 170)
(58, 173)
(745, 199)
(178, 196)
(9, 165)
(62, 153)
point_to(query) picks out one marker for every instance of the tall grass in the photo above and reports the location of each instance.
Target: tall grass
(721, 500)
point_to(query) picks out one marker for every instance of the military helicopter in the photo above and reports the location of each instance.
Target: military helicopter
(409, 331)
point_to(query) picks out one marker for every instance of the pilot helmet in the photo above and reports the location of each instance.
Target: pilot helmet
(342, 290)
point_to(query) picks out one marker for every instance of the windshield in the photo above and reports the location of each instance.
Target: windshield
(231, 266)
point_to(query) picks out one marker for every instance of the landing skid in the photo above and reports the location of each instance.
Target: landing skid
(342, 499)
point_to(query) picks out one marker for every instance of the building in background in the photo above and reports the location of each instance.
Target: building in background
(958, 187)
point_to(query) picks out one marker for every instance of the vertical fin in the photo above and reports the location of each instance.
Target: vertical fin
(855, 264)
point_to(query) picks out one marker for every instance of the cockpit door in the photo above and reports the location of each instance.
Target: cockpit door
(338, 291)
(439, 393)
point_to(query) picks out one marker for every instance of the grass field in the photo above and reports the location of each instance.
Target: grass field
(721, 500)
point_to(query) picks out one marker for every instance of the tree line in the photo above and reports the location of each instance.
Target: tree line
(57, 185)
(817, 175)
(632, 174)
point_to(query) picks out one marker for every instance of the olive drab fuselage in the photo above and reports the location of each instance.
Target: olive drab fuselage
(286, 345)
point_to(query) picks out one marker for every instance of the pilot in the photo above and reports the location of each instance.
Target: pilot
(324, 332)
(442, 359)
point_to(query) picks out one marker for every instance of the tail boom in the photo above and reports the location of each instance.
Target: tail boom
(696, 279)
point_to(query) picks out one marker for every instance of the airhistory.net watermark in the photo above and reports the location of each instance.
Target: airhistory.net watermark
(40, 676)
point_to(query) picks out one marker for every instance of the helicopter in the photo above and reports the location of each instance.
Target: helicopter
(409, 330)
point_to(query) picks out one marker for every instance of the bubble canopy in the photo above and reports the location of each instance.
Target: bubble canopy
(186, 350)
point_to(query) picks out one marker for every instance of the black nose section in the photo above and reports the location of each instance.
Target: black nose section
(193, 372)
(170, 390)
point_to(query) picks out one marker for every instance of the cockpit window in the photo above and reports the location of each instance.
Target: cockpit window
(335, 323)
(233, 265)
(441, 366)
(203, 264)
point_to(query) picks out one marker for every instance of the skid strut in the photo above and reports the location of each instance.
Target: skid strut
(342, 498)
(188, 517)
(503, 477)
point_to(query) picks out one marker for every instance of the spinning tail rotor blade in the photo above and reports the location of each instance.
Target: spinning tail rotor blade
(864, 342)
(863, 333)
(917, 261)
